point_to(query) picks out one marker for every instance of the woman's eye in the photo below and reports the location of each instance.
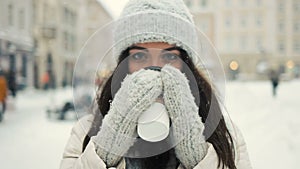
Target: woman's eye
(170, 56)
(138, 56)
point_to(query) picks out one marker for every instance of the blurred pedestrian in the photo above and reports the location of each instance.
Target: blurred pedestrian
(45, 80)
(161, 34)
(274, 78)
(12, 83)
(3, 92)
(67, 107)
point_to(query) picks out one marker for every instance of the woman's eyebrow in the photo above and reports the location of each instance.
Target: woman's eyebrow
(145, 49)
(173, 48)
(137, 47)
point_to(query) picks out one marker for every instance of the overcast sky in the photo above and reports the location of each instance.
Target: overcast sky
(115, 6)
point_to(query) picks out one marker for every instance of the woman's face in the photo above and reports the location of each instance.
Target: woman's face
(143, 55)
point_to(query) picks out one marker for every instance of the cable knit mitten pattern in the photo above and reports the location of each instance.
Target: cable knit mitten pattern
(186, 123)
(118, 131)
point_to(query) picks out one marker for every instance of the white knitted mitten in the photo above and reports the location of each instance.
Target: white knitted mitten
(186, 123)
(118, 131)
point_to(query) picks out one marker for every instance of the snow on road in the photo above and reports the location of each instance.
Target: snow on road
(270, 125)
(30, 140)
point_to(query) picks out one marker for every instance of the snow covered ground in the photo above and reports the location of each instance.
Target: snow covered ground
(30, 140)
(270, 125)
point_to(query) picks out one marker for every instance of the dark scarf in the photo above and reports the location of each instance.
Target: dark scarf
(166, 160)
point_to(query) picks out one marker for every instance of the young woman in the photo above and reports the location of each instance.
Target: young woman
(156, 33)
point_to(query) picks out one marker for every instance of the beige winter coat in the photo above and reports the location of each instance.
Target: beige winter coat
(74, 158)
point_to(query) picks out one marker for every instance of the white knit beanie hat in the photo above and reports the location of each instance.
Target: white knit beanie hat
(145, 21)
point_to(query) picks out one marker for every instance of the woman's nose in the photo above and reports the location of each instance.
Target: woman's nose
(155, 61)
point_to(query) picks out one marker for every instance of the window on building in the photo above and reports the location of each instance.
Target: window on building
(66, 14)
(228, 21)
(296, 26)
(65, 41)
(70, 42)
(21, 19)
(73, 42)
(259, 20)
(243, 3)
(243, 43)
(203, 3)
(259, 42)
(296, 45)
(10, 15)
(281, 26)
(296, 4)
(228, 43)
(243, 20)
(73, 18)
(33, 14)
(281, 6)
(228, 3)
(281, 46)
(188, 3)
(46, 12)
(258, 2)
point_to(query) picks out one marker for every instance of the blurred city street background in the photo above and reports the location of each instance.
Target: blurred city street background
(40, 40)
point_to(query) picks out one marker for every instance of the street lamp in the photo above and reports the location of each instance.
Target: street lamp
(234, 69)
(290, 64)
(234, 65)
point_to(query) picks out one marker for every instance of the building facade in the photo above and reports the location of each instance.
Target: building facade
(60, 30)
(56, 41)
(252, 37)
(245, 37)
(287, 47)
(16, 42)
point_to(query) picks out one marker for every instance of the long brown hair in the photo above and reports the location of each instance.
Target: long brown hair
(202, 90)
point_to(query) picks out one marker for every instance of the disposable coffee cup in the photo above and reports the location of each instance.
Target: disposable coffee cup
(153, 124)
